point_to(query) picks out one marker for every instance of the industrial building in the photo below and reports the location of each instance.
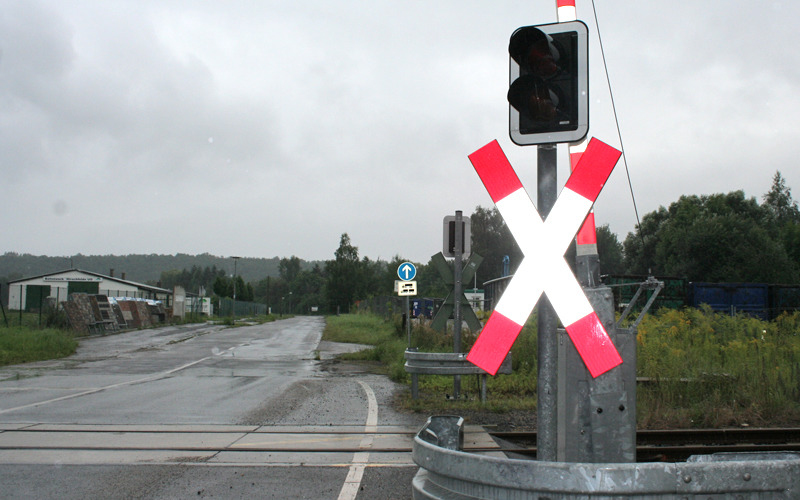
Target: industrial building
(31, 294)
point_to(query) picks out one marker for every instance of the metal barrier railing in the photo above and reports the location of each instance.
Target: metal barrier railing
(446, 363)
(446, 472)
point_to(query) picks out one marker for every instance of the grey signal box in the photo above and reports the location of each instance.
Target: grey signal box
(449, 243)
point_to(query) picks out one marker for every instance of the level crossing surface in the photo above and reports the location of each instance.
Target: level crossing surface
(256, 411)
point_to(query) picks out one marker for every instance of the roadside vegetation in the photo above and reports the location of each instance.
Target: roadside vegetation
(22, 344)
(714, 370)
(702, 369)
(31, 336)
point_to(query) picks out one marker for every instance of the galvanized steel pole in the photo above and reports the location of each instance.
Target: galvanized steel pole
(458, 250)
(546, 391)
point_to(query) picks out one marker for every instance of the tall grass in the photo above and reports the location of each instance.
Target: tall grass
(390, 340)
(705, 369)
(714, 370)
(22, 345)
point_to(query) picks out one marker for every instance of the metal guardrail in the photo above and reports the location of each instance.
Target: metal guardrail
(446, 472)
(446, 363)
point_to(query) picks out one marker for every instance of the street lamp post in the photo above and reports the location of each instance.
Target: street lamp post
(235, 261)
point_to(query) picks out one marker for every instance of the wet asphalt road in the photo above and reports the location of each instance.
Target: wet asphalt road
(252, 378)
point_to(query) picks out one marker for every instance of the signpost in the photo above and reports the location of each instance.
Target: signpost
(407, 288)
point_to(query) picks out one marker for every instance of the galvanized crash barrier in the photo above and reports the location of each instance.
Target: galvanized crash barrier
(446, 472)
(446, 363)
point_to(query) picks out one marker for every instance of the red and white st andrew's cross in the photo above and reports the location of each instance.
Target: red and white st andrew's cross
(544, 269)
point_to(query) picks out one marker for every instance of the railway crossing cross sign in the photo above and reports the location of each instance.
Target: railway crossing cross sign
(544, 270)
(445, 312)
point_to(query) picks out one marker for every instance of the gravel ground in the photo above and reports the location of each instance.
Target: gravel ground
(334, 397)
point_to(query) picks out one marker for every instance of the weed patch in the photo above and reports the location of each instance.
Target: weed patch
(705, 369)
(22, 345)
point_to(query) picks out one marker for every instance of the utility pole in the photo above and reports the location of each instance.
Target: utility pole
(235, 260)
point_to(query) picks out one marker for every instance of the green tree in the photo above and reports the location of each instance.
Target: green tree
(289, 268)
(785, 217)
(610, 251)
(269, 291)
(192, 280)
(492, 240)
(243, 291)
(344, 283)
(223, 286)
(308, 290)
(717, 238)
(779, 202)
(639, 248)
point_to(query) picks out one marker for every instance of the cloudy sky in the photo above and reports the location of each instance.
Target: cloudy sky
(269, 128)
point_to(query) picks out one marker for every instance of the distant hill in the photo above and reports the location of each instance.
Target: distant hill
(141, 268)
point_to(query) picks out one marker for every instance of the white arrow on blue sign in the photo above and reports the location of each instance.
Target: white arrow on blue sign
(406, 271)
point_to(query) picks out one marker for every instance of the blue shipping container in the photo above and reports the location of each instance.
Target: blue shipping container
(732, 298)
(422, 307)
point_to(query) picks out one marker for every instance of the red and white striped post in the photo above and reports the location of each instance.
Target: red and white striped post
(586, 241)
(586, 249)
(583, 438)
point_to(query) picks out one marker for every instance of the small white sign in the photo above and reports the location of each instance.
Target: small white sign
(407, 288)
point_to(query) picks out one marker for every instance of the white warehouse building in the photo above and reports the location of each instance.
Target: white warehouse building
(29, 294)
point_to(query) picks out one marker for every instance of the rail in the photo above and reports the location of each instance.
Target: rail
(677, 444)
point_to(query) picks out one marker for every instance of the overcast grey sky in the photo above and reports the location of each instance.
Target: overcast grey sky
(269, 128)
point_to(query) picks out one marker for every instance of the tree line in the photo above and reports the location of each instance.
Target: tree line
(709, 238)
(142, 268)
(714, 238)
(721, 238)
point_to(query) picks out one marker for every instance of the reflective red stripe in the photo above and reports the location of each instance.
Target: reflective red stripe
(495, 171)
(593, 175)
(588, 234)
(594, 345)
(494, 343)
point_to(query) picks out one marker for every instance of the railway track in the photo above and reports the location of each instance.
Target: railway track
(678, 445)
(283, 445)
(331, 444)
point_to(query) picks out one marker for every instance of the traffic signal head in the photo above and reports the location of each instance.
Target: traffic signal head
(549, 83)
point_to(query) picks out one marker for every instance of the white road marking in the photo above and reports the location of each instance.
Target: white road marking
(99, 389)
(360, 459)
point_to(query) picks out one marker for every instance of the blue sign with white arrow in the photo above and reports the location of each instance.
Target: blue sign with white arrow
(407, 271)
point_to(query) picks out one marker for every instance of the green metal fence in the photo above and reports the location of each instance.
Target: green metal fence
(226, 308)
